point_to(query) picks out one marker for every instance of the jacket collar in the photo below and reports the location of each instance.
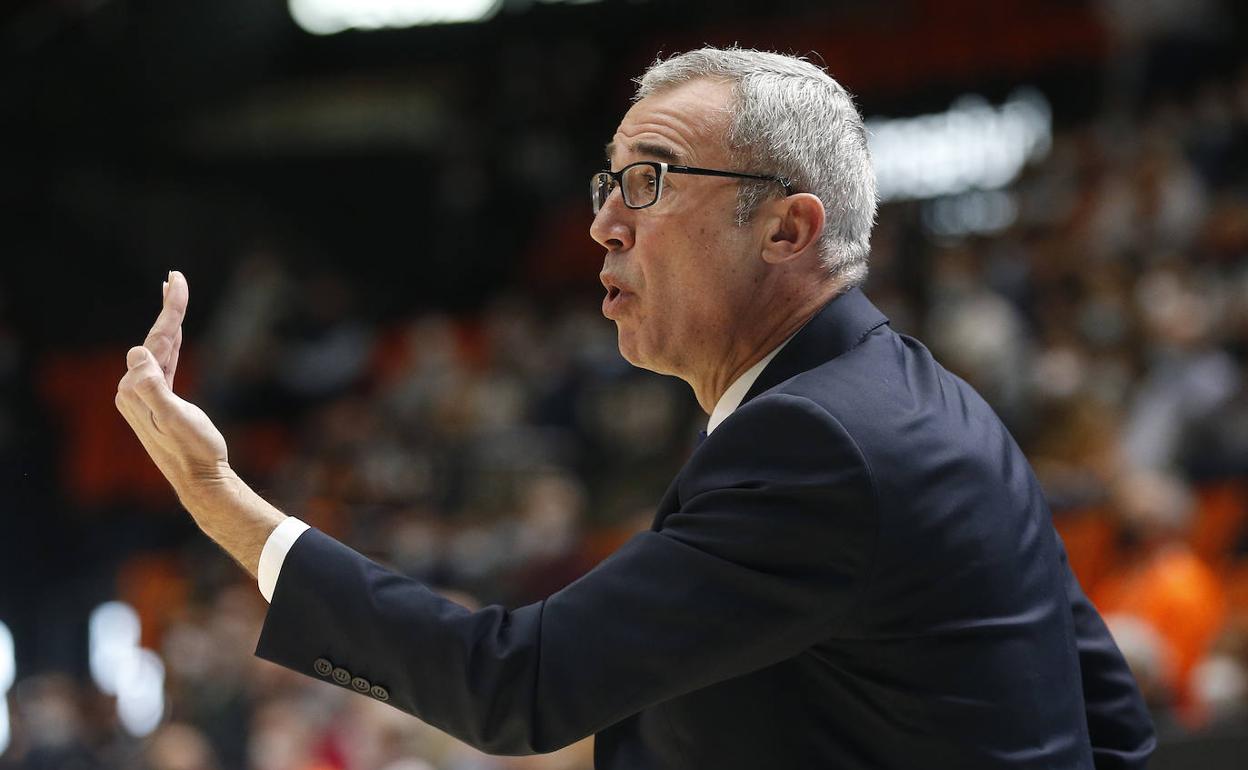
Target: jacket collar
(838, 327)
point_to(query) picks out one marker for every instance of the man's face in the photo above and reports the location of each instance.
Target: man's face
(676, 272)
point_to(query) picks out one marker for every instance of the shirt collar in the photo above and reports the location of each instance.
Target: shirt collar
(731, 399)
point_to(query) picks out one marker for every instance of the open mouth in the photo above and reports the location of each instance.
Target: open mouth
(613, 302)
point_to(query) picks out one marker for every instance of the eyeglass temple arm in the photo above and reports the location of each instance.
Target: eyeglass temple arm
(731, 174)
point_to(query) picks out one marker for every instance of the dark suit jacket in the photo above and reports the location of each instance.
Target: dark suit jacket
(857, 569)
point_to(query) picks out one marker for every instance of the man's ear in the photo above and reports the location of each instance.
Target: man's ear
(794, 224)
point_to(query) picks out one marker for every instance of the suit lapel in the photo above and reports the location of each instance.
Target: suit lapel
(839, 326)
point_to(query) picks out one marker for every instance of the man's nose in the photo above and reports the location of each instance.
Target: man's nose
(612, 226)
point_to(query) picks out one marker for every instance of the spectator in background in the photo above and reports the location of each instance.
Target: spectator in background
(1188, 378)
(178, 747)
(54, 729)
(1163, 585)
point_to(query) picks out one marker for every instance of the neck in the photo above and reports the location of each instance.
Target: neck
(745, 350)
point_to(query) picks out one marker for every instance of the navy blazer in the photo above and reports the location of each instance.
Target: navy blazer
(857, 569)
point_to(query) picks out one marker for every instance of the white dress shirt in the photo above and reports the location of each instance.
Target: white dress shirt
(731, 399)
(282, 538)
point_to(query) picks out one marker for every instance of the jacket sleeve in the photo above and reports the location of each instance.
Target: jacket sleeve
(1119, 725)
(764, 558)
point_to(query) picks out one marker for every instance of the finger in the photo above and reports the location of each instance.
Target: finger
(171, 368)
(160, 339)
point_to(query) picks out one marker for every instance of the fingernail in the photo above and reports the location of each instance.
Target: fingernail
(135, 357)
(164, 288)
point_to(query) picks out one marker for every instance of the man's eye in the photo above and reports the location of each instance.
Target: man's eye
(651, 180)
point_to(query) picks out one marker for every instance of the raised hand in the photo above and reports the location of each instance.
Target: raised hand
(180, 438)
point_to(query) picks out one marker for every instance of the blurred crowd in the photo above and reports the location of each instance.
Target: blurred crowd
(500, 454)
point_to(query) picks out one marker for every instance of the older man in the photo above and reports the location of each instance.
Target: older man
(856, 567)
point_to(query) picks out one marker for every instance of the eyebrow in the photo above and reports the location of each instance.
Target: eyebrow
(660, 151)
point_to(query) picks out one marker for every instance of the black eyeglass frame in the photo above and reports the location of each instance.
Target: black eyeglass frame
(662, 169)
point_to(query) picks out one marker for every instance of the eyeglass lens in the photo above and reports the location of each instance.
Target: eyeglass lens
(640, 186)
(600, 187)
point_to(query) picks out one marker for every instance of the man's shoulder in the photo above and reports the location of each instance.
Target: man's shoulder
(780, 441)
(889, 388)
(865, 379)
(816, 404)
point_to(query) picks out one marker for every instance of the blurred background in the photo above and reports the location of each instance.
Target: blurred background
(382, 209)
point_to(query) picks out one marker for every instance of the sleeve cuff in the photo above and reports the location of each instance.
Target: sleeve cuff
(274, 553)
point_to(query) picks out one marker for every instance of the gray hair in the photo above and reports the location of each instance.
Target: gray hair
(791, 119)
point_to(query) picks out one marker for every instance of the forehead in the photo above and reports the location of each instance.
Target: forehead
(682, 124)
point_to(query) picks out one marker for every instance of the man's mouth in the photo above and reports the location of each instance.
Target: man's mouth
(617, 294)
(616, 297)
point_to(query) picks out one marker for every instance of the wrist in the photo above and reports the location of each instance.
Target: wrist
(232, 514)
(209, 494)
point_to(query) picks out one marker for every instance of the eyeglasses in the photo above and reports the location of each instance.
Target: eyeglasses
(641, 183)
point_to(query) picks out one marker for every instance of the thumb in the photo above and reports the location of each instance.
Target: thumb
(148, 381)
(137, 356)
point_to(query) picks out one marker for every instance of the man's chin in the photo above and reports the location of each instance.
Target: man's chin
(630, 351)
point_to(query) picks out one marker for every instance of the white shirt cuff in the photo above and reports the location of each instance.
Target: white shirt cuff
(274, 553)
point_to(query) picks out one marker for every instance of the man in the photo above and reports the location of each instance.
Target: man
(855, 569)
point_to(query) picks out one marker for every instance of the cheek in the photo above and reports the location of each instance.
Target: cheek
(679, 279)
(665, 298)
